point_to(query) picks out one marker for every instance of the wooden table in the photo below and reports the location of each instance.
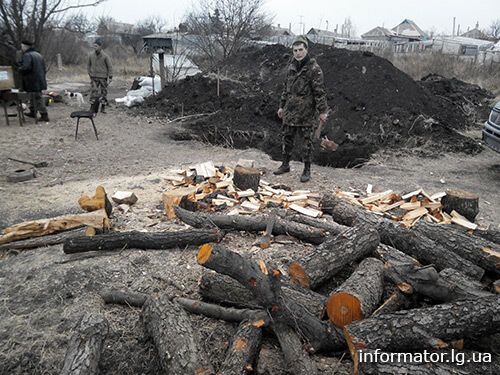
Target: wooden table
(7, 97)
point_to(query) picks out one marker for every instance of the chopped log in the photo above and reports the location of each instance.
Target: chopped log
(359, 295)
(85, 346)
(429, 327)
(409, 276)
(225, 290)
(167, 324)
(332, 255)
(371, 362)
(410, 242)
(254, 223)
(242, 353)
(329, 225)
(479, 251)
(462, 221)
(173, 198)
(124, 298)
(124, 197)
(42, 227)
(489, 234)
(465, 203)
(223, 313)
(141, 240)
(396, 301)
(98, 201)
(297, 359)
(49, 240)
(246, 178)
(265, 286)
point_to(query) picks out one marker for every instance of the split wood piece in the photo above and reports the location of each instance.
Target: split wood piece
(246, 178)
(141, 240)
(409, 276)
(265, 285)
(173, 198)
(410, 206)
(124, 197)
(250, 206)
(484, 253)
(206, 169)
(329, 225)
(120, 297)
(264, 242)
(465, 203)
(49, 240)
(333, 255)
(415, 214)
(98, 201)
(259, 318)
(85, 346)
(297, 360)
(168, 325)
(245, 193)
(225, 290)
(496, 286)
(396, 301)
(411, 194)
(293, 198)
(245, 346)
(306, 211)
(359, 295)
(37, 228)
(458, 219)
(254, 223)
(376, 197)
(449, 363)
(430, 327)
(409, 241)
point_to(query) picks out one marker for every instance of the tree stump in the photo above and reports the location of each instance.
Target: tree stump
(465, 203)
(246, 178)
(85, 346)
(359, 295)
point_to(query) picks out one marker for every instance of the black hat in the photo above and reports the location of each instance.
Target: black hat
(27, 42)
(98, 42)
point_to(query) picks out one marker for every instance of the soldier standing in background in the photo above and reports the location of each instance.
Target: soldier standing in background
(302, 102)
(100, 72)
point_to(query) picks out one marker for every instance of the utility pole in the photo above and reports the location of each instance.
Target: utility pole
(301, 25)
(326, 25)
(453, 33)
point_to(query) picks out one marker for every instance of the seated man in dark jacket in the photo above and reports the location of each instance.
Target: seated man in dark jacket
(33, 72)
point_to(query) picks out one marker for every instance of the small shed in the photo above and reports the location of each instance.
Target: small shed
(461, 46)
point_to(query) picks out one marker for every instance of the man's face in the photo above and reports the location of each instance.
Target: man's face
(24, 47)
(299, 51)
(97, 48)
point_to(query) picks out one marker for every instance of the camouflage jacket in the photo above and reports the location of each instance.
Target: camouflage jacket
(304, 95)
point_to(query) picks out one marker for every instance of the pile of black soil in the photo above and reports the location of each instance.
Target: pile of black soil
(374, 104)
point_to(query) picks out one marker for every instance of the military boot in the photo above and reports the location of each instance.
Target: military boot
(44, 117)
(306, 173)
(103, 108)
(284, 167)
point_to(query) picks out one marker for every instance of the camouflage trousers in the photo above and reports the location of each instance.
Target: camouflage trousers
(37, 102)
(306, 135)
(98, 89)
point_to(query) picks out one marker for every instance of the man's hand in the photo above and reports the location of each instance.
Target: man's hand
(280, 113)
(323, 117)
(110, 79)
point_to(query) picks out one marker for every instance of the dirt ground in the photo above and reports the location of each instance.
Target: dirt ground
(45, 291)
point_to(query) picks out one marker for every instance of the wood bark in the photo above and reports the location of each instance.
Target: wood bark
(396, 301)
(333, 255)
(246, 178)
(223, 313)
(265, 286)
(169, 327)
(226, 290)
(401, 363)
(429, 327)
(252, 223)
(484, 253)
(49, 240)
(124, 298)
(140, 240)
(489, 234)
(391, 233)
(409, 276)
(85, 346)
(296, 358)
(328, 225)
(244, 349)
(265, 240)
(42, 227)
(465, 203)
(359, 295)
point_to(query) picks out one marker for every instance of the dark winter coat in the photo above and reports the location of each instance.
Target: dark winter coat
(33, 71)
(304, 95)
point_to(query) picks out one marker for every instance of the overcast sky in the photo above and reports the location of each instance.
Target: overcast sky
(434, 15)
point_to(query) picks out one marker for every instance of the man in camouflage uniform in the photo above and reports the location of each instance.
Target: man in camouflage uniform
(100, 72)
(302, 103)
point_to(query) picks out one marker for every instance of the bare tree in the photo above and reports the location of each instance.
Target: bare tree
(348, 28)
(221, 26)
(495, 28)
(151, 25)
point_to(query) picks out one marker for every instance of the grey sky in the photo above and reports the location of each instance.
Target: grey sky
(365, 14)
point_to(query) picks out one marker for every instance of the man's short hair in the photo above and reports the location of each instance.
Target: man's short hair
(98, 42)
(27, 42)
(301, 40)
